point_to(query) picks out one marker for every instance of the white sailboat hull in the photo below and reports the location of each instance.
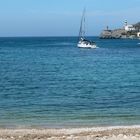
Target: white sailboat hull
(84, 45)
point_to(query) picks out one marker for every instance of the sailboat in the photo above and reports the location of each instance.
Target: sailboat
(83, 42)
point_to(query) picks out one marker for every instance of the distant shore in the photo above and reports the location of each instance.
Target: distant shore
(126, 32)
(95, 133)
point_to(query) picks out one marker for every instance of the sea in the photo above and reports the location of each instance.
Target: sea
(49, 82)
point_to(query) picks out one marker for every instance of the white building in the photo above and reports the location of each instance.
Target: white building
(138, 34)
(129, 27)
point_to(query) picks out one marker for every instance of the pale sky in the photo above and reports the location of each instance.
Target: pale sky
(62, 17)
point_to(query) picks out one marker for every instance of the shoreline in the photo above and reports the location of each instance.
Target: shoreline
(97, 133)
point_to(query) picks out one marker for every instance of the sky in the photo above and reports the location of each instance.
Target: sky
(62, 17)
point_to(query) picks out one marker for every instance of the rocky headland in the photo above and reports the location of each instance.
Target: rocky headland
(128, 31)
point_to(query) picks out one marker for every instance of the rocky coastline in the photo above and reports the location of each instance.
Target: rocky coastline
(122, 33)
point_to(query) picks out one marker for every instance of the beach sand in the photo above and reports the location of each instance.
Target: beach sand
(96, 133)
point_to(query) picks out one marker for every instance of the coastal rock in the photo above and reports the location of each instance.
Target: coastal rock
(112, 34)
(137, 26)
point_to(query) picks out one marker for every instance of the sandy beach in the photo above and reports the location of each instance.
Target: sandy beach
(95, 133)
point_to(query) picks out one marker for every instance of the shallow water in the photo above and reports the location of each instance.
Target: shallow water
(50, 82)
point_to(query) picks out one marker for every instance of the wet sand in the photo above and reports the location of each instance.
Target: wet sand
(96, 133)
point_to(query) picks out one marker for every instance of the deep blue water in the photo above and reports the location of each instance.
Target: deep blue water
(50, 82)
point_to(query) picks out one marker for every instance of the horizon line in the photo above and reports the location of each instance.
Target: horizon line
(43, 36)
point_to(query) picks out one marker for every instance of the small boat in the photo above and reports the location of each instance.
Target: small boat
(84, 43)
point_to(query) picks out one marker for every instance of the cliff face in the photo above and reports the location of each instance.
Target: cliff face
(137, 26)
(120, 33)
(112, 34)
(106, 34)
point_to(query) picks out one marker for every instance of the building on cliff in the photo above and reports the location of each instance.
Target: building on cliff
(128, 31)
(129, 27)
(138, 34)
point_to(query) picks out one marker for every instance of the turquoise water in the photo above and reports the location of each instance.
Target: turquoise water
(49, 82)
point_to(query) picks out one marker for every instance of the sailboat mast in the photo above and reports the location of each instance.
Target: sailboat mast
(82, 26)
